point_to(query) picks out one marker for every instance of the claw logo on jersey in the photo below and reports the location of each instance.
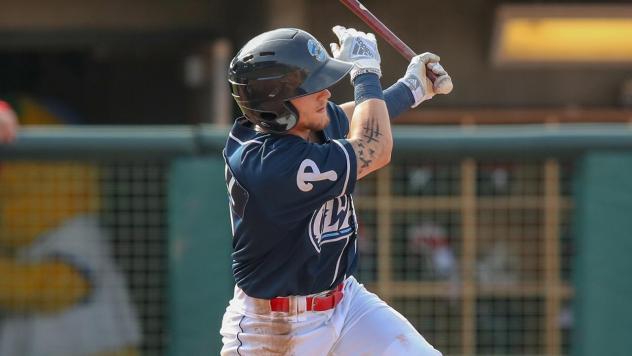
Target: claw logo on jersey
(334, 221)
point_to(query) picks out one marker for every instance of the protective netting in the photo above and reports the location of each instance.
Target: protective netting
(476, 254)
(83, 258)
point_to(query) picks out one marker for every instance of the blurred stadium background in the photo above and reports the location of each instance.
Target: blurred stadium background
(501, 228)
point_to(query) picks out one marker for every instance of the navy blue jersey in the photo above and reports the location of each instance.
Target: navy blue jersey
(293, 220)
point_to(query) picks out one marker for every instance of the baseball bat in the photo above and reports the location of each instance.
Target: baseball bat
(384, 32)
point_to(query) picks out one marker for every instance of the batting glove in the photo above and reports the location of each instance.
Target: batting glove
(359, 48)
(418, 82)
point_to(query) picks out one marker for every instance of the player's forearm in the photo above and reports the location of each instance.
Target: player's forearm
(371, 138)
(370, 130)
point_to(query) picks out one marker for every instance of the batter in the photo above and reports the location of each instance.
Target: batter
(292, 162)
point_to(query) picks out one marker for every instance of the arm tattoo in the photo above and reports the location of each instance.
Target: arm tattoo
(368, 144)
(371, 130)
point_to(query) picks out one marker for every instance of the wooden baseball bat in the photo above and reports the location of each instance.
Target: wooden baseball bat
(384, 32)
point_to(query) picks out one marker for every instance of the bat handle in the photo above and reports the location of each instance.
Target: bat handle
(408, 53)
(430, 74)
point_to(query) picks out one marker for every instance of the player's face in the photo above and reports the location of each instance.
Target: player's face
(312, 110)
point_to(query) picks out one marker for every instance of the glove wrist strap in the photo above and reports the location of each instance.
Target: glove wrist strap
(358, 71)
(416, 88)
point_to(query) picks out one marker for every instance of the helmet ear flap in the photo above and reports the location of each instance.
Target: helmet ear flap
(289, 117)
(284, 119)
(291, 108)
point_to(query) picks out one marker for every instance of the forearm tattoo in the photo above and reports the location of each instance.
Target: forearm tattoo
(368, 144)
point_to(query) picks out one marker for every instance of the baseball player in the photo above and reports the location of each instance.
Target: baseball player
(292, 162)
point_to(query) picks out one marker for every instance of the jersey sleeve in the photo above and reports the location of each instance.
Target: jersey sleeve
(299, 177)
(338, 115)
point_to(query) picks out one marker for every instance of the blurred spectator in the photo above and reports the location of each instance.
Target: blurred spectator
(430, 240)
(499, 264)
(8, 123)
(419, 178)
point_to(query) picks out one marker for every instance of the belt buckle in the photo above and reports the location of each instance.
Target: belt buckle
(318, 296)
(317, 304)
(332, 297)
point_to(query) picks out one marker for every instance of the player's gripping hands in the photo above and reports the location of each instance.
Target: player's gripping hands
(418, 82)
(358, 48)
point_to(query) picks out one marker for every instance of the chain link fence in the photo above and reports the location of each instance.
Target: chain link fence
(466, 250)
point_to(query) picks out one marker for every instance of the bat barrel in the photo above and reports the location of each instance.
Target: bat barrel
(381, 30)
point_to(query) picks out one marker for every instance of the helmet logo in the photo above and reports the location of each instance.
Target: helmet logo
(316, 50)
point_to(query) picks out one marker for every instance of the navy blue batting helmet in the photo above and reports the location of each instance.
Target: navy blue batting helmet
(277, 66)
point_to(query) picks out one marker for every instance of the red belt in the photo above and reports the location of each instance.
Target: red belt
(313, 303)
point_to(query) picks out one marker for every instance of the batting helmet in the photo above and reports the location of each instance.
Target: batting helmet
(277, 66)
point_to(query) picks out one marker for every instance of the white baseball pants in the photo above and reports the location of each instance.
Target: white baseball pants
(361, 324)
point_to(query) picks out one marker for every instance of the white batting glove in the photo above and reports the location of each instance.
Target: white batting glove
(358, 48)
(418, 82)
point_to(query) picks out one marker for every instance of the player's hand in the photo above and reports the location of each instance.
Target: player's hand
(418, 82)
(359, 48)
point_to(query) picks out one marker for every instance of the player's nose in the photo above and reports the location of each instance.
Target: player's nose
(324, 94)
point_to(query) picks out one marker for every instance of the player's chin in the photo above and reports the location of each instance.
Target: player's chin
(317, 121)
(323, 120)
